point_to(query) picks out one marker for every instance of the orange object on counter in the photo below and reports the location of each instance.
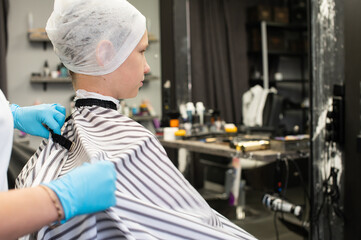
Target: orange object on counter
(174, 123)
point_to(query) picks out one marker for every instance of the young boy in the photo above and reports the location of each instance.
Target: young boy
(102, 43)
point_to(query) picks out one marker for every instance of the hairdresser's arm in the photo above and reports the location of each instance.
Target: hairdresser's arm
(87, 189)
(25, 211)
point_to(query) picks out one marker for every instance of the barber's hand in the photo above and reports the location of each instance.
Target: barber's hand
(31, 119)
(87, 189)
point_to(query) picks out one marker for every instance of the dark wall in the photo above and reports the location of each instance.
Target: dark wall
(328, 61)
(168, 55)
(4, 10)
(352, 125)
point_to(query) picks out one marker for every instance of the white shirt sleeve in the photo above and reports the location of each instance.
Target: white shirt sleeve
(6, 140)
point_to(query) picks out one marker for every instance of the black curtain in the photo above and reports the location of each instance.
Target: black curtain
(219, 55)
(4, 10)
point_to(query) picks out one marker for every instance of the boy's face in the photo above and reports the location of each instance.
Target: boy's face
(128, 78)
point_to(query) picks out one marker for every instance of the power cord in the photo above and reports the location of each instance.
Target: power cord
(331, 190)
(275, 225)
(331, 196)
(282, 193)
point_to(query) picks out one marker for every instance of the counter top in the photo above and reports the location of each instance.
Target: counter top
(224, 150)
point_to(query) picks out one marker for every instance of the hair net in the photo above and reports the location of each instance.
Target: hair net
(94, 37)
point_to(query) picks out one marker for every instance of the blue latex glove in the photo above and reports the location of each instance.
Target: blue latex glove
(86, 189)
(31, 119)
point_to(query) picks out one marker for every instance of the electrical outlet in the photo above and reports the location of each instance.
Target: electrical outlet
(335, 127)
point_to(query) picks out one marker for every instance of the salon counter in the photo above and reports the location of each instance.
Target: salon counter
(224, 150)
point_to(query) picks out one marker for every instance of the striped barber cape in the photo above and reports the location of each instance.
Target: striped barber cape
(154, 200)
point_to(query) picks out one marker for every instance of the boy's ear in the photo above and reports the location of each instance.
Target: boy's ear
(104, 52)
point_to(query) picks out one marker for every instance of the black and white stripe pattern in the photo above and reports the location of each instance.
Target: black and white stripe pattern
(154, 200)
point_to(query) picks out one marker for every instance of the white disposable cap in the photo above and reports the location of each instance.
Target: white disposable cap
(94, 37)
